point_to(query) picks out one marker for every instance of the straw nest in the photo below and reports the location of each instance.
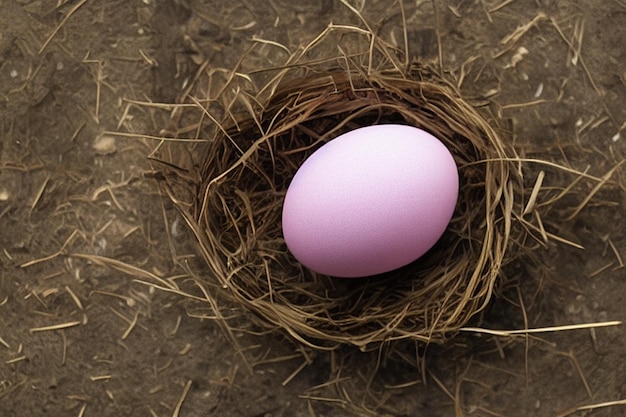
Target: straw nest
(264, 125)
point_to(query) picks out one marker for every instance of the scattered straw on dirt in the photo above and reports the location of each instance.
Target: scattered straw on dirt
(229, 154)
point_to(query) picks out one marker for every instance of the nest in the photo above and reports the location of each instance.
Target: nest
(232, 188)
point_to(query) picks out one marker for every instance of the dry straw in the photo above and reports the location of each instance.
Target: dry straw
(262, 124)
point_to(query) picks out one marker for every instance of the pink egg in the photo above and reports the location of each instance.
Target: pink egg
(370, 201)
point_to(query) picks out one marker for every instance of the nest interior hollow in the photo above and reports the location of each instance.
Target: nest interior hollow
(245, 170)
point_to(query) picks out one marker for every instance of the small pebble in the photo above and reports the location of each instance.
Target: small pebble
(105, 145)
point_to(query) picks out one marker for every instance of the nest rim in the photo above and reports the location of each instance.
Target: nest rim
(339, 99)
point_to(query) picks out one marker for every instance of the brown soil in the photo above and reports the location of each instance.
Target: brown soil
(81, 336)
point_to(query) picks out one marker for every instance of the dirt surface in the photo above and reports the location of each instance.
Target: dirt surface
(80, 336)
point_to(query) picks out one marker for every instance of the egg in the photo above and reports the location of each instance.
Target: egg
(372, 200)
